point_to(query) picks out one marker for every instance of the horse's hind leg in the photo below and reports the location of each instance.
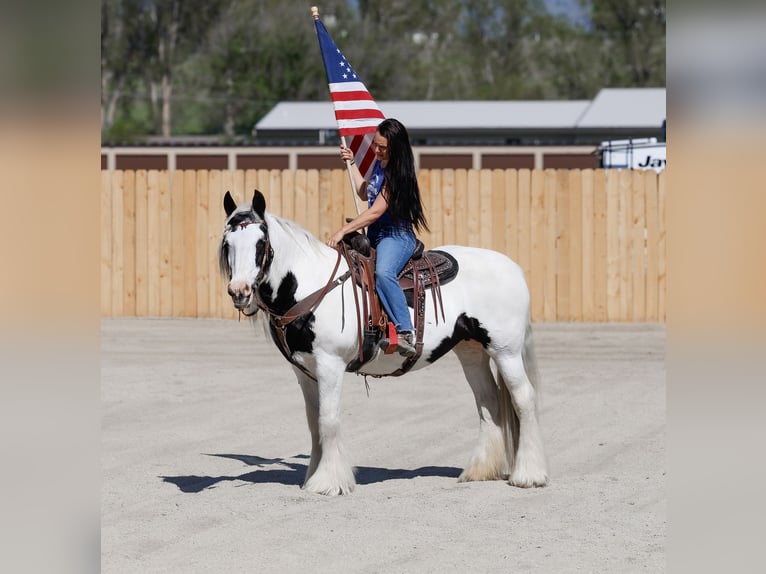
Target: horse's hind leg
(529, 466)
(329, 471)
(489, 460)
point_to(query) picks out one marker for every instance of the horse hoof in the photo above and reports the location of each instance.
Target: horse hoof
(327, 489)
(527, 481)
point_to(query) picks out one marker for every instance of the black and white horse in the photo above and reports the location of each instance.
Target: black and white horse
(272, 263)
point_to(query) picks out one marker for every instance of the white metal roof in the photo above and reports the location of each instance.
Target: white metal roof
(625, 107)
(614, 108)
(435, 115)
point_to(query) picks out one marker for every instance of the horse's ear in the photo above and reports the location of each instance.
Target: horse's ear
(259, 204)
(229, 205)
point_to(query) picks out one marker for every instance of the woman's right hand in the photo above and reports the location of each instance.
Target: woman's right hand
(346, 154)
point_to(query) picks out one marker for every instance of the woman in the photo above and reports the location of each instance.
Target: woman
(394, 212)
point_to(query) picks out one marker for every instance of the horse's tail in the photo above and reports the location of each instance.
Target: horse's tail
(509, 420)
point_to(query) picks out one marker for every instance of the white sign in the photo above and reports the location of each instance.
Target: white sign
(645, 153)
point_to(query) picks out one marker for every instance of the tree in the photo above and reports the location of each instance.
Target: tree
(120, 55)
(217, 66)
(632, 35)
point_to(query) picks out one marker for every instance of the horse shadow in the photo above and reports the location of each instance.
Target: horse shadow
(291, 473)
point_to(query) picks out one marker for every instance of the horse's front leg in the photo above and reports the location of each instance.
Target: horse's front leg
(329, 471)
(311, 399)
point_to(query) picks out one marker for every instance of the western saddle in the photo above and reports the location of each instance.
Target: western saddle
(424, 270)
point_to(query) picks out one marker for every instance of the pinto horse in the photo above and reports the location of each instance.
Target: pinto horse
(271, 264)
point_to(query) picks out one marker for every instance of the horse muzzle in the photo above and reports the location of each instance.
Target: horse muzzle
(241, 294)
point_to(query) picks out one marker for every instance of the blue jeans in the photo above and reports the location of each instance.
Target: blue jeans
(392, 253)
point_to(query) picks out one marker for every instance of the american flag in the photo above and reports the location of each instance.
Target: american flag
(356, 112)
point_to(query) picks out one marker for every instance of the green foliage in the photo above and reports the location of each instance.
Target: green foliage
(217, 66)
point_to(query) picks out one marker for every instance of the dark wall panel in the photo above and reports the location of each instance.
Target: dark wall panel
(507, 161)
(445, 161)
(249, 161)
(570, 161)
(141, 162)
(202, 162)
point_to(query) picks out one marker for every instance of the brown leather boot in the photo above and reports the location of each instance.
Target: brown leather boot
(406, 346)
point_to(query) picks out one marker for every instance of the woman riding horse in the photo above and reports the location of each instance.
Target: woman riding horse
(394, 208)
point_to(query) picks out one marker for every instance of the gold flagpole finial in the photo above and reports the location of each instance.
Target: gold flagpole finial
(315, 12)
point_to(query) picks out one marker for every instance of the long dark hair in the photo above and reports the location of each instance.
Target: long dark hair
(401, 180)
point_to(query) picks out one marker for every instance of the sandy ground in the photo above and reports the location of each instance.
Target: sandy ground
(204, 448)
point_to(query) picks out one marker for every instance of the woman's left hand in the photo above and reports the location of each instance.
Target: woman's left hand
(335, 239)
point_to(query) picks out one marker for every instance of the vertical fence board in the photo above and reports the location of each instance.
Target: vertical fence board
(638, 246)
(550, 250)
(497, 211)
(177, 243)
(189, 223)
(435, 221)
(486, 219)
(613, 245)
(537, 244)
(601, 252)
(275, 192)
(662, 253)
(202, 248)
(563, 231)
(424, 183)
(340, 192)
(510, 223)
(625, 213)
(105, 264)
(165, 245)
(524, 225)
(129, 244)
(448, 205)
(301, 198)
(142, 244)
(473, 203)
(118, 244)
(573, 222)
(287, 181)
(234, 182)
(214, 227)
(262, 183)
(652, 249)
(326, 225)
(460, 221)
(153, 243)
(251, 184)
(588, 250)
(312, 202)
(345, 196)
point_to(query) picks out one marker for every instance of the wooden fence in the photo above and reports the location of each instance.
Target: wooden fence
(591, 242)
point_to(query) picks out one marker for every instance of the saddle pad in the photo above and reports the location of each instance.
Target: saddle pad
(444, 264)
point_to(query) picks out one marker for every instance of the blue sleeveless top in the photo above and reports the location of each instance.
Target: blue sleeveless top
(386, 225)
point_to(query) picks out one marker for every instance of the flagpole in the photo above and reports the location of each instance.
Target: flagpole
(315, 14)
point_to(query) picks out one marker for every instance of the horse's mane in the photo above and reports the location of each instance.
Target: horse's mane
(303, 238)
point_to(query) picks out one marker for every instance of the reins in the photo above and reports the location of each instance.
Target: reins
(302, 308)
